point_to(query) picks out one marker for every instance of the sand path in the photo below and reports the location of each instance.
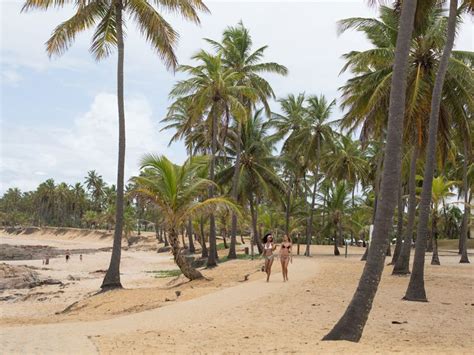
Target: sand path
(76, 337)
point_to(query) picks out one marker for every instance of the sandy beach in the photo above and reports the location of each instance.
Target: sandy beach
(225, 313)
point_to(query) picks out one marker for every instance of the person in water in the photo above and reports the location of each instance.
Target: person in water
(285, 256)
(268, 249)
(68, 255)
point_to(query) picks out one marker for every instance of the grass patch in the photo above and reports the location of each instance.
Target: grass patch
(220, 246)
(159, 274)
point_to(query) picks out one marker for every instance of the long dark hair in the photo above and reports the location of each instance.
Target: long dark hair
(265, 238)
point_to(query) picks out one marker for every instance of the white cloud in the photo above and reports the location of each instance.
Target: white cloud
(11, 77)
(30, 155)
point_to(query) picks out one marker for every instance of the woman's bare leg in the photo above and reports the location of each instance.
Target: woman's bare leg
(286, 268)
(283, 269)
(269, 269)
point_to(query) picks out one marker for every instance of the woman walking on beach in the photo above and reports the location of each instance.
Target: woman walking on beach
(285, 256)
(268, 248)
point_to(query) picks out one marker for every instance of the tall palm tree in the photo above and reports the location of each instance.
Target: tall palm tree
(236, 47)
(108, 17)
(315, 135)
(367, 94)
(258, 179)
(288, 124)
(213, 90)
(96, 185)
(174, 190)
(416, 287)
(352, 323)
(337, 205)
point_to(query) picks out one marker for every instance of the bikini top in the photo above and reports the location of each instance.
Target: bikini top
(268, 247)
(286, 246)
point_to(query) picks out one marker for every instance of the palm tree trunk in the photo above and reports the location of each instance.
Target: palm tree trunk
(398, 245)
(192, 249)
(310, 220)
(352, 323)
(212, 259)
(204, 251)
(313, 200)
(187, 270)
(287, 214)
(416, 287)
(112, 277)
(434, 236)
(235, 194)
(402, 265)
(467, 210)
(256, 238)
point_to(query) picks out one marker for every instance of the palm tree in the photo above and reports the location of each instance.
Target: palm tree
(352, 323)
(367, 95)
(213, 90)
(441, 190)
(416, 287)
(314, 135)
(236, 47)
(174, 190)
(288, 124)
(337, 204)
(108, 17)
(96, 185)
(258, 179)
(467, 157)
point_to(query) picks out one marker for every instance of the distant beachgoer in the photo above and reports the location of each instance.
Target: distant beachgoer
(80, 257)
(285, 256)
(68, 255)
(46, 261)
(268, 249)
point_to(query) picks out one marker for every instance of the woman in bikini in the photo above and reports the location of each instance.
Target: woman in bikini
(268, 248)
(285, 256)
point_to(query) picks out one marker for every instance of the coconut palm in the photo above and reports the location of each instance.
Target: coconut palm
(416, 287)
(441, 190)
(213, 90)
(236, 47)
(108, 17)
(337, 204)
(367, 95)
(258, 179)
(315, 134)
(352, 323)
(95, 185)
(175, 190)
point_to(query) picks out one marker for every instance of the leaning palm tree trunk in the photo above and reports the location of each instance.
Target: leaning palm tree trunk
(352, 323)
(402, 265)
(112, 277)
(416, 287)
(467, 210)
(187, 270)
(235, 184)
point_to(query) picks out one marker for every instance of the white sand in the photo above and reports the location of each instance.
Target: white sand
(227, 316)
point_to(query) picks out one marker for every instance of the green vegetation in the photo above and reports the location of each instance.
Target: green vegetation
(161, 274)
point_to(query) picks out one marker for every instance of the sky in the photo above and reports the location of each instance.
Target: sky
(58, 116)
